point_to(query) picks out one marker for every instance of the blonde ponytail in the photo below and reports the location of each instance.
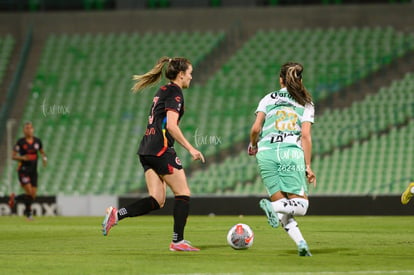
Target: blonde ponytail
(151, 77)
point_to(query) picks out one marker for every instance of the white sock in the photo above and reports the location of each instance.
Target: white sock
(293, 230)
(412, 190)
(284, 219)
(294, 207)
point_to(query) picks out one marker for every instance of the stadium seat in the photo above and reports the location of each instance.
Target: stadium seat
(90, 77)
(83, 109)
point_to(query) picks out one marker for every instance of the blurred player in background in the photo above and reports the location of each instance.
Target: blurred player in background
(26, 153)
(281, 140)
(408, 193)
(156, 152)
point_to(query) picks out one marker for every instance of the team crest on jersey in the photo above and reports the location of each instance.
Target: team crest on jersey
(177, 160)
(36, 146)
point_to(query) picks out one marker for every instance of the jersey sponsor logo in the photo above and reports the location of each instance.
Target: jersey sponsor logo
(163, 88)
(280, 94)
(32, 156)
(36, 146)
(280, 138)
(177, 160)
(25, 146)
(178, 98)
(150, 131)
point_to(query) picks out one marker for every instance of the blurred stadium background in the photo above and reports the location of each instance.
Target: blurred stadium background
(67, 66)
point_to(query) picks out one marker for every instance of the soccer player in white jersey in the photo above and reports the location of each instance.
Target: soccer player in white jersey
(281, 140)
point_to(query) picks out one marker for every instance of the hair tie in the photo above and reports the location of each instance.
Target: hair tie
(169, 60)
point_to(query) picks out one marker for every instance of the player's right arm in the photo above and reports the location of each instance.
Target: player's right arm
(17, 157)
(256, 129)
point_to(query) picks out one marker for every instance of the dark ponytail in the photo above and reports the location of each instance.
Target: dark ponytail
(291, 74)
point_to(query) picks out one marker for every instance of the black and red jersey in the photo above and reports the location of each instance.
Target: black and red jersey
(31, 149)
(157, 140)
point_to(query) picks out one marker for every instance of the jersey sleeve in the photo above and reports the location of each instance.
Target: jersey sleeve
(40, 144)
(174, 101)
(16, 147)
(262, 106)
(309, 113)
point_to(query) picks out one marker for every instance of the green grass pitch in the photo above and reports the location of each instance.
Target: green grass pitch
(75, 245)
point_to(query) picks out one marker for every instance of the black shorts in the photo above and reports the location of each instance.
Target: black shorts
(162, 165)
(26, 178)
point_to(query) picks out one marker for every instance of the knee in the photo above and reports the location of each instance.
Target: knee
(301, 206)
(187, 194)
(161, 201)
(183, 192)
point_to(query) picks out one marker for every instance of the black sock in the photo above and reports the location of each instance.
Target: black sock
(138, 208)
(181, 209)
(28, 200)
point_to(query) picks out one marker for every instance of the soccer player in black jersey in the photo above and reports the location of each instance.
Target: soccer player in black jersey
(26, 153)
(156, 152)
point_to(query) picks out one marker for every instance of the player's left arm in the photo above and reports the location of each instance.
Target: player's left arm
(44, 157)
(306, 140)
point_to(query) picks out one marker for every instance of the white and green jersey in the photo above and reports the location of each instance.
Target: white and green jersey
(284, 118)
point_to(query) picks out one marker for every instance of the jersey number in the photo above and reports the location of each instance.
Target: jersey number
(285, 121)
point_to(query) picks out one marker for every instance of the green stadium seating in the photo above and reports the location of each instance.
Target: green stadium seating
(381, 165)
(7, 43)
(83, 109)
(91, 124)
(333, 58)
(390, 106)
(352, 170)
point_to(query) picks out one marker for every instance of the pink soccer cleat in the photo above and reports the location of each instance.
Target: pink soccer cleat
(183, 246)
(110, 220)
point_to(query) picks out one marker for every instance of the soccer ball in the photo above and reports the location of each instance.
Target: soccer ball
(240, 236)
